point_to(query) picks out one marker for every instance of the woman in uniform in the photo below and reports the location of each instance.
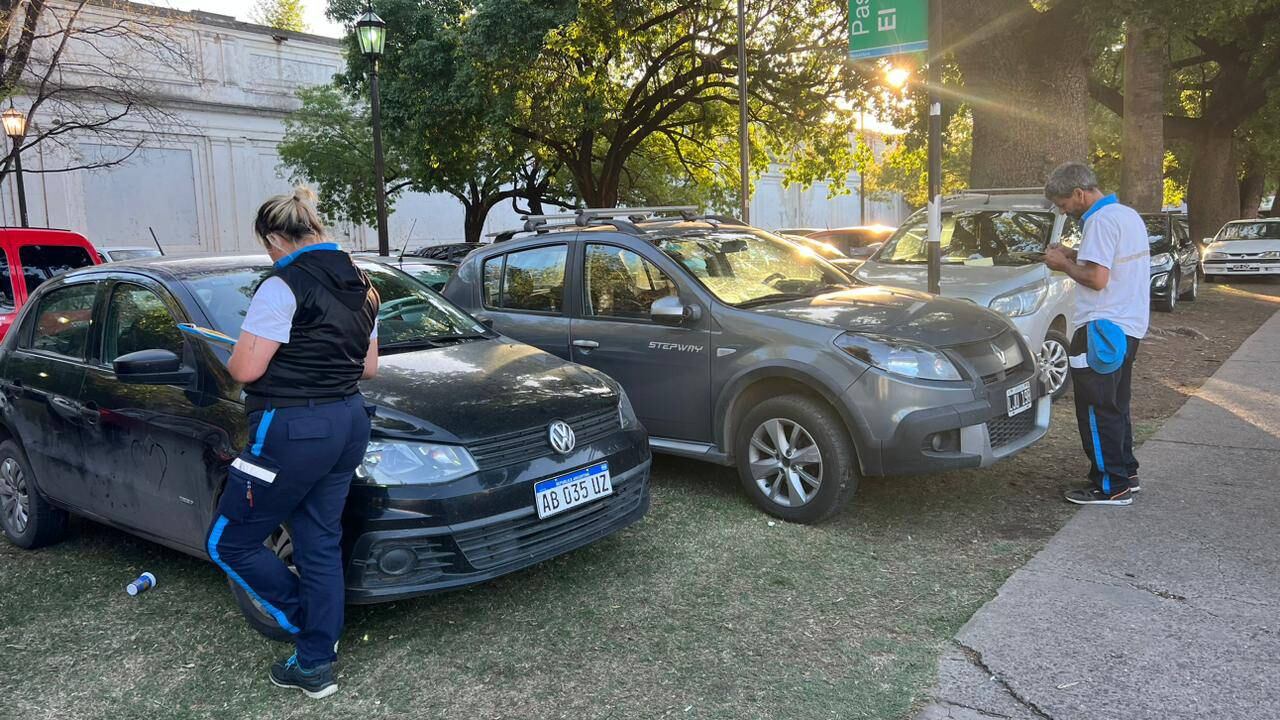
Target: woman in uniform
(308, 338)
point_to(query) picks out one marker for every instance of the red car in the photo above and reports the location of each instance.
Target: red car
(32, 255)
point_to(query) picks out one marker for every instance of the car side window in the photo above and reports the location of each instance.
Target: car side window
(137, 319)
(63, 319)
(7, 303)
(527, 280)
(620, 283)
(41, 262)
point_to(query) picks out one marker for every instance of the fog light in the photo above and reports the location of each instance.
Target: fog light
(1161, 281)
(396, 562)
(936, 442)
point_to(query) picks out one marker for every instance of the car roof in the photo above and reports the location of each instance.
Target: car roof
(1254, 220)
(55, 235)
(978, 200)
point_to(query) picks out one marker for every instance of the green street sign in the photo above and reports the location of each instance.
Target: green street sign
(878, 28)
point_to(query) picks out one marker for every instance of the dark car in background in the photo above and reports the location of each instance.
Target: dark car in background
(858, 242)
(450, 252)
(826, 251)
(29, 257)
(738, 347)
(1175, 261)
(487, 455)
(434, 274)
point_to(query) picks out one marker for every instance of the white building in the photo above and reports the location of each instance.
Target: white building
(198, 183)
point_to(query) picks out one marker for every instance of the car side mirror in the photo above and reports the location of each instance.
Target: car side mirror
(152, 367)
(484, 320)
(671, 311)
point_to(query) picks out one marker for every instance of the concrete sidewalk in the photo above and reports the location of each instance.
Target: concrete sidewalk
(1169, 608)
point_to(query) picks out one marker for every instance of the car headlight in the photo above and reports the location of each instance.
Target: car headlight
(626, 414)
(1161, 260)
(899, 357)
(1270, 254)
(1021, 302)
(409, 463)
(1216, 256)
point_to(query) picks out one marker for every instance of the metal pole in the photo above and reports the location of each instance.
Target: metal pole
(379, 172)
(935, 149)
(862, 173)
(22, 189)
(744, 147)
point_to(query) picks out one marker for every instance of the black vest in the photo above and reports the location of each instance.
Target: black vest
(336, 309)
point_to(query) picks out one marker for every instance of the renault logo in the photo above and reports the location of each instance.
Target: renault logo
(999, 353)
(561, 437)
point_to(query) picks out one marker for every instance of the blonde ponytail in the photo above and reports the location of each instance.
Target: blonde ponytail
(291, 217)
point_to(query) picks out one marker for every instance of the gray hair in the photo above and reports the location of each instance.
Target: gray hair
(1067, 177)
(291, 216)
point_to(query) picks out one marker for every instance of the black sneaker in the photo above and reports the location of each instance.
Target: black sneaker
(317, 682)
(1134, 485)
(1094, 496)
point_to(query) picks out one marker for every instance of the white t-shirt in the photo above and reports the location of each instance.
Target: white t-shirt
(1115, 237)
(270, 313)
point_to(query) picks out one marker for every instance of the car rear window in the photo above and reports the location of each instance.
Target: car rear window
(42, 262)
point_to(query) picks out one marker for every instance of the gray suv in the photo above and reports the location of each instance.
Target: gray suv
(739, 348)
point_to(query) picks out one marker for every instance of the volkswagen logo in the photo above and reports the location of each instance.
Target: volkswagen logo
(560, 437)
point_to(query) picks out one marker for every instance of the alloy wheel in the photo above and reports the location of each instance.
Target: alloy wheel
(15, 501)
(786, 462)
(1054, 360)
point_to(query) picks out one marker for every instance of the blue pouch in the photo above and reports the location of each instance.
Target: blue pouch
(1107, 346)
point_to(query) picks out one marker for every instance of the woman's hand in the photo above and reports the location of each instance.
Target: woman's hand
(251, 357)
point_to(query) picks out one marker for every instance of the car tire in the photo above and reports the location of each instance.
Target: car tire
(810, 429)
(1210, 278)
(281, 544)
(1056, 348)
(28, 520)
(1168, 303)
(1192, 292)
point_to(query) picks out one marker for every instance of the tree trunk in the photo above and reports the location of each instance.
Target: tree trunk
(1026, 77)
(473, 222)
(1142, 142)
(1213, 193)
(1252, 186)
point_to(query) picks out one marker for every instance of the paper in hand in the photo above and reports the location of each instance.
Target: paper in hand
(206, 334)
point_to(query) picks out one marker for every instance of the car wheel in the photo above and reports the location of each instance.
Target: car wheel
(795, 459)
(28, 520)
(1170, 301)
(1210, 278)
(280, 543)
(1055, 362)
(1193, 292)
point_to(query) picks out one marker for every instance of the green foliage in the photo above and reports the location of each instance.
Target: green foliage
(280, 14)
(903, 168)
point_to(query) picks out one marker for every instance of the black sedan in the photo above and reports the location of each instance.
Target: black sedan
(1175, 261)
(434, 274)
(487, 455)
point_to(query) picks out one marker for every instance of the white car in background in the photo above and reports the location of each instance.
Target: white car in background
(1243, 247)
(993, 245)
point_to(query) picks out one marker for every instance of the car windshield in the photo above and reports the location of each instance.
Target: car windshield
(748, 266)
(410, 314)
(1250, 231)
(1158, 228)
(974, 237)
(433, 276)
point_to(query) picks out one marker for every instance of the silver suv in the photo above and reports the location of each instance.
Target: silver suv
(739, 348)
(993, 245)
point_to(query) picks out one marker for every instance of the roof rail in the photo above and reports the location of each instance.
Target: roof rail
(622, 218)
(1002, 191)
(588, 214)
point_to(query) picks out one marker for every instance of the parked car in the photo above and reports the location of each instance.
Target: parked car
(29, 257)
(859, 242)
(1175, 262)
(451, 252)
(434, 274)
(487, 455)
(800, 231)
(117, 254)
(737, 348)
(1243, 248)
(826, 251)
(992, 254)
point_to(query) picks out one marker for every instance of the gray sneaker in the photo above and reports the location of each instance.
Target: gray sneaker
(317, 682)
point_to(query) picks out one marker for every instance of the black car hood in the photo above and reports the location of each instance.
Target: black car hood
(479, 389)
(895, 312)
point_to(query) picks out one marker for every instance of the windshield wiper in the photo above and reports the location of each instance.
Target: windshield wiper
(433, 341)
(776, 297)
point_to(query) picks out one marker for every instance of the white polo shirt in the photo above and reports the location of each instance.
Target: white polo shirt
(1115, 237)
(270, 313)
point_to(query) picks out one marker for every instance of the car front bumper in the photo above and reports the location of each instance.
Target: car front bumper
(1241, 267)
(1161, 284)
(418, 540)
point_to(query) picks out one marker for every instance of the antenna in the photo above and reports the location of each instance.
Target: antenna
(156, 239)
(406, 240)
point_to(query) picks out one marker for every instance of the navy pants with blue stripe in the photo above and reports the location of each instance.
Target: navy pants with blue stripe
(1102, 412)
(296, 471)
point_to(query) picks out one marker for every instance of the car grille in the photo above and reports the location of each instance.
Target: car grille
(1005, 430)
(982, 356)
(514, 540)
(525, 445)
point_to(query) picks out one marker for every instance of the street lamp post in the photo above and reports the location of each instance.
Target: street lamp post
(371, 32)
(15, 126)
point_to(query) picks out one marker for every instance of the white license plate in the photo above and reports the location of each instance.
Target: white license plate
(1019, 398)
(1241, 268)
(555, 495)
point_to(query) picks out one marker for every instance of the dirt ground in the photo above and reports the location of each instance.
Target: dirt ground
(706, 609)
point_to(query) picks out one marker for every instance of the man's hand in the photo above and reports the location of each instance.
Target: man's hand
(1059, 258)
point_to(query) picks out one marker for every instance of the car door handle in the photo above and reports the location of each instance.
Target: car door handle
(586, 344)
(89, 411)
(65, 407)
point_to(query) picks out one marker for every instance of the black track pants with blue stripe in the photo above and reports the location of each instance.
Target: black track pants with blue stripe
(1102, 412)
(296, 471)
